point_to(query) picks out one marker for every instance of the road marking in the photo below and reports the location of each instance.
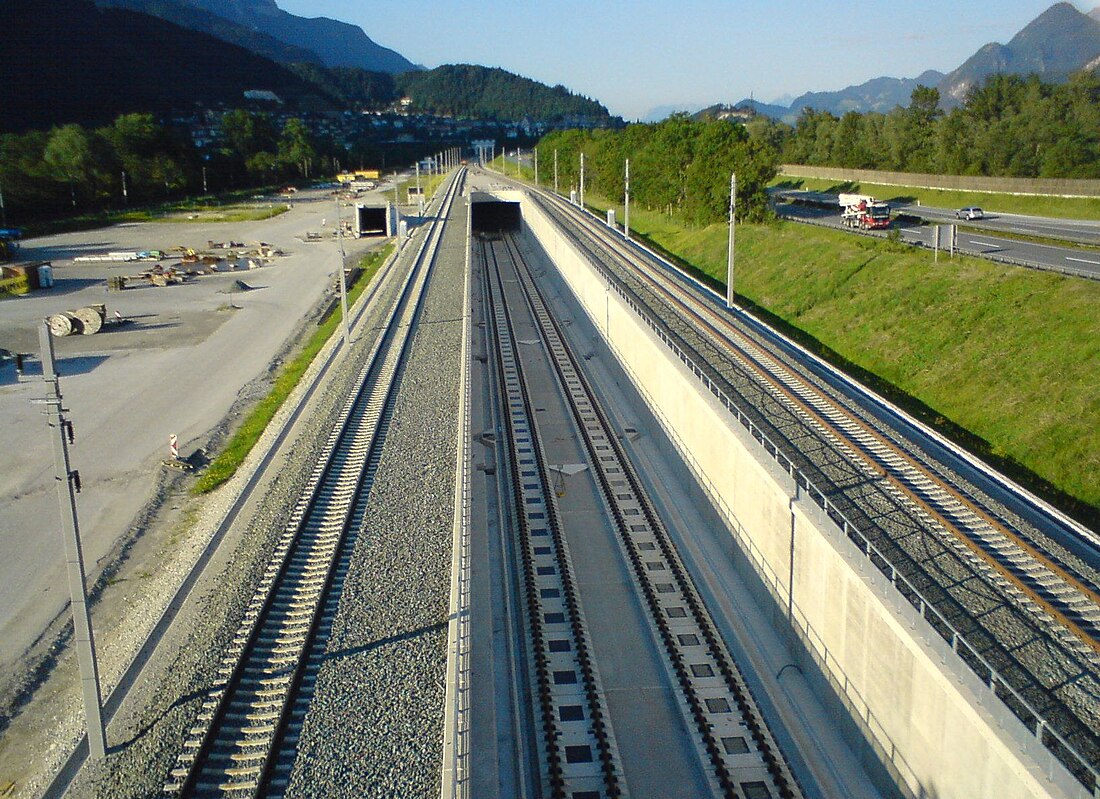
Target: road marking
(1082, 261)
(986, 244)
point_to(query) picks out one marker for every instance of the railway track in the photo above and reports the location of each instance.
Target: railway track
(734, 749)
(242, 743)
(578, 752)
(1021, 610)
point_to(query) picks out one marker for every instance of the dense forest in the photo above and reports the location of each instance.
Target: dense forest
(1010, 126)
(680, 164)
(136, 159)
(465, 90)
(351, 87)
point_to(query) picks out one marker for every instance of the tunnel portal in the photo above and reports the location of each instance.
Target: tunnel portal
(490, 215)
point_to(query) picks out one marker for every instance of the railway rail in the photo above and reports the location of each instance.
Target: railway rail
(1019, 608)
(242, 743)
(734, 748)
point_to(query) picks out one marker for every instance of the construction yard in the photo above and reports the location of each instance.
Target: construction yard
(183, 345)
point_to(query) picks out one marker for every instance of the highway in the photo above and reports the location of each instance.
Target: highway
(1071, 260)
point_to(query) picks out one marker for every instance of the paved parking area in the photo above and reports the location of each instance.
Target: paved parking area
(176, 367)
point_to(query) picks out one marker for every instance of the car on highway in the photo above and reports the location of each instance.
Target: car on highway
(972, 212)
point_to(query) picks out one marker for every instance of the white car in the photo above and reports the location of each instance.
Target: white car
(973, 212)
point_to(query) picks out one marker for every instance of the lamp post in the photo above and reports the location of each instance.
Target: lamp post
(582, 181)
(626, 202)
(419, 194)
(729, 259)
(343, 287)
(68, 483)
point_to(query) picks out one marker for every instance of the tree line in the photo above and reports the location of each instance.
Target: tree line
(137, 160)
(680, 165)
(1010, 126)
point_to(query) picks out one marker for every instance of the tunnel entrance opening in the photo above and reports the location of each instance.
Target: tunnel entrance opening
(371, 221)
(494, 216)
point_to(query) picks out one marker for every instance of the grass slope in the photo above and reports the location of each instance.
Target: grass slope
(1003, 358)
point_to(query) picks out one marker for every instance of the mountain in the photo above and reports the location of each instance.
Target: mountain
(877, 94)
(1055, 44)
(742, 111)
(179, 12)
(80, 63)
(334, 43)
(351, 87)
(467, 90)
(773, 110)
(664, 111)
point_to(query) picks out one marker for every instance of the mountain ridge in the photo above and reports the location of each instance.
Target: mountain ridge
(185, 15)
(1057, 43)
(77, 65)
(264, 27)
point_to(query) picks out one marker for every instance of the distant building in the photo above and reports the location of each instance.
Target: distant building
(739, 114)
(262, 94)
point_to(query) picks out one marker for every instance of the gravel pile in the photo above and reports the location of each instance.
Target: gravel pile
(375, 725)
(172, 693)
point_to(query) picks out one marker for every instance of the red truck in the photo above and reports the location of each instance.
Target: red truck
(864, 212)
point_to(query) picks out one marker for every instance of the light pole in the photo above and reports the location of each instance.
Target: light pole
(582, 181)
(555, 171)
(626, 202)
(343, 288)
(204, 188)
(68, 482)
(729, 259)
(536, 152)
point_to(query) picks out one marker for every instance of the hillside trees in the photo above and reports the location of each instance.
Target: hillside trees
(467, 90)
(295, 148)
(1010, 126)
(679, 165)
(46, 172)
(68, 157)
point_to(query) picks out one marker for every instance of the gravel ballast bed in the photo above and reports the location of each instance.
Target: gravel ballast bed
(375, 724)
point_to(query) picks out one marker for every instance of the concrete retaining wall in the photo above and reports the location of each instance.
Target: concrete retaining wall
(920, 712)
(1047, 187)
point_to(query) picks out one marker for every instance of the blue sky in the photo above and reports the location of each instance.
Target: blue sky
(634, 56)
